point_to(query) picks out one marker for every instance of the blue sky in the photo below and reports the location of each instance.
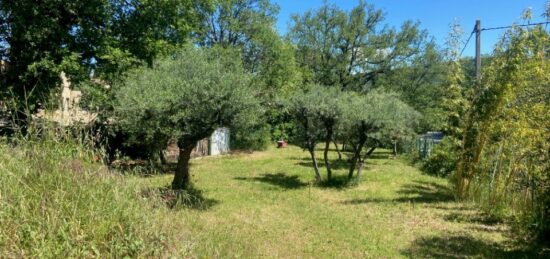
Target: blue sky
(434, 15)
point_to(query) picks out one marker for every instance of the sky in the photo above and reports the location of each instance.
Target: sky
(434, 15)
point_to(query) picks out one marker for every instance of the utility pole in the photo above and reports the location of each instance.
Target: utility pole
(478, 50)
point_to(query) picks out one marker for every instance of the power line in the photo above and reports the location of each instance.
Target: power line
(466, 44)
(500, 28)
(512, 26)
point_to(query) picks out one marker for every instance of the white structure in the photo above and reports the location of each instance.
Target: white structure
(69, 112)
(219, 142)
(69, 98)
(216, 144)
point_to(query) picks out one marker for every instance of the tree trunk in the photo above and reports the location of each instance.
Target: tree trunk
(311, 149)
(395, 148)
(362, 161)
(182, 176)
(337, 150)
(327, 146)
(356, 157)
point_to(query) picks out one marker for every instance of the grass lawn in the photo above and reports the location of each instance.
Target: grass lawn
(263, 205)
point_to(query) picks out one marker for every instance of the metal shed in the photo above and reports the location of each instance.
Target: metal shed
(219, 142)
(426, 142)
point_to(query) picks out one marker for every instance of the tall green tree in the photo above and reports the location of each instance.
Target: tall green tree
(420, 83)
(350, 50)
(249, 25)
(41, 39)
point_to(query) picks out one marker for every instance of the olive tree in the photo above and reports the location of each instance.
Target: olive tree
(303, 107)
(318, 112)
(185, 97)
(371, 117)
(329, 103)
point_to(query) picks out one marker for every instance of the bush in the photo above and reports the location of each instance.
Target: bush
(257, 138)
(443, 159)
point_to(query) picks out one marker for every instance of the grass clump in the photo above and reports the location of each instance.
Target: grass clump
(55, 202)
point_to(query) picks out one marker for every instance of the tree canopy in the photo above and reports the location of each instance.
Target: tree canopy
(41, 39)
(186, 97)
(350, 50)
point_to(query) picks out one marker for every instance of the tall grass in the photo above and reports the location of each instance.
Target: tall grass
(55, 202)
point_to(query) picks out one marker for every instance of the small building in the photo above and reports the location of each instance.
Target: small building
(426, 142)
(219, 142)
(216, 144)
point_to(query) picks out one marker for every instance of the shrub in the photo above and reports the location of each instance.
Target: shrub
(443, 158)
(255, 138)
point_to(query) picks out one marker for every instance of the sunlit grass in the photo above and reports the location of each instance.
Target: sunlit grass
(263, 204)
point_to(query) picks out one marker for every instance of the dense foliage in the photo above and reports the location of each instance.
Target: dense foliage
(41, 39)
(497, 149)
(160, 70)
(354, 49)
(506, 152)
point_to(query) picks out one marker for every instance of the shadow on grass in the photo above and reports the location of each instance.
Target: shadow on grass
(466, 246)
(293, 181)
(190, 198)
(476, 218)
(280, 179)
(337, 164)
(418, 192)
(425, 192)
(338, 182)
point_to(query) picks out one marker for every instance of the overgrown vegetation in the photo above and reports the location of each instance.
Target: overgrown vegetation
(56, 201)
(497, 150)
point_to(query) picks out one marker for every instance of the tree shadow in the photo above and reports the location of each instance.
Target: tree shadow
(418, 192)
(466, 246)
(475, 218)
(338, 181)
(334, 164)
(280, 179)
(338, 164)
(189, 198)
(425, 192)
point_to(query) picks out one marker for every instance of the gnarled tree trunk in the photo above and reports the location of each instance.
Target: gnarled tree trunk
(327, 147)
(337, 149)
(356, 156)
(162, 158)
(182, 176)
(362, 161)
(311, 149)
